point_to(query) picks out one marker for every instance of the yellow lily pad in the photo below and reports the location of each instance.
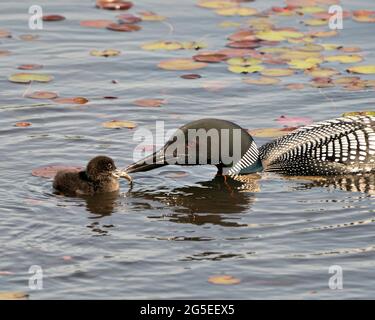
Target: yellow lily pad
(29, 77)
(105, 53)
(236, 11)
(13, 295)
(344, 58)
(216, 4)
(322, 72)
(239, 61)
(316, 22)
(277, 72)
(151, 16)
(181, 64)
(162, 45)
(118, 124)
(229, 24)
(262, 81)
(311, 9)
(193, 45)
(223, 279)
(366, 69)
(245, 69)
(304, 64)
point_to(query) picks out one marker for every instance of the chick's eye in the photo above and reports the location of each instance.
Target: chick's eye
(109, 166)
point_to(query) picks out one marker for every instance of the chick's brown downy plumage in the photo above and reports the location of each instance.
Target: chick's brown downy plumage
(99, 177)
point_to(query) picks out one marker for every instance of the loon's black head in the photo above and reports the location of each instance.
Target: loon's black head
(206, 141)
(101, 167)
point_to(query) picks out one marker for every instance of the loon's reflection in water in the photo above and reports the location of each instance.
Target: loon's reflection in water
(352, 183)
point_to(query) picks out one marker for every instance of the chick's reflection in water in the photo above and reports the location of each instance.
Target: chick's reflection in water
(102, 204)
(208, 202)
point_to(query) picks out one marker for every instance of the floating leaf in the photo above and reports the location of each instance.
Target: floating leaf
(123, 27)
(5, 34)
(193, 45)
(229, 24)
(278, 35)
(75, 100)
(50, 171)
(191, 76)
(366, 69)
(294, 121)
(162, 45)
(114, 5)
(310, 9)
(118, 124)
(245, 69)
(22, 124)
(4, 53)
(316, 22)
(53, 17)
(42, 95)
(149, 102)
(322, 72)
(304, 64)
(244, 44)
(343, 58)
(30, 66)
(262, 81)
(181, 64)
(129, 18)
(13, 295)
(105, 53)
(236, 11)
(224, 279)
(322, 82)
(29, 37)
(359, 113)
(240, 61)
(151, 16)
(210, 57)
(323, 34)
(29, 77)
(95, 23)
(271, 132)
(216, 4)
(277, 72)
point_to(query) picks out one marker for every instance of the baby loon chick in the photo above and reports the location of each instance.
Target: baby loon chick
(340, 146)
(100, 176)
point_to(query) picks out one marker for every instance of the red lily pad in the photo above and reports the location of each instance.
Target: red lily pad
(75, 100)
(53, 17)
(149, 102)
(50, 171)
(191, 76)
(42, 95)
(22, 124)
(294, 121)
(129, 18)
(30, 66)
(123, 27)
(210, 57)
(100, 24)
(113, 4)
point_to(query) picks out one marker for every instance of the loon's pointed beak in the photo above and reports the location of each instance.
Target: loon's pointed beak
(153, 161)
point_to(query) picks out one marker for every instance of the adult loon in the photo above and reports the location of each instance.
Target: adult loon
(339, 146)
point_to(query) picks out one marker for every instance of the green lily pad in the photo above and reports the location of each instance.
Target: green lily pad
(29, 77)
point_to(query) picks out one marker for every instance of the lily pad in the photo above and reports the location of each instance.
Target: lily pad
(100, 24)
(29, 77)
(105, 53)
(149, 102)
(50, 171)
(22, 124)
(366, 69)
(224, 280)
(13, 295)
(277, 72)
(118, 124)
(123, 27)
(42, 95)
(75, 100)
(262, 81)
(181, 64)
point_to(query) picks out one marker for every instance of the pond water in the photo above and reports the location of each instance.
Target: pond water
(177, 226)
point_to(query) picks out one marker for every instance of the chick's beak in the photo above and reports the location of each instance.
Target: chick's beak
(121, 174)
